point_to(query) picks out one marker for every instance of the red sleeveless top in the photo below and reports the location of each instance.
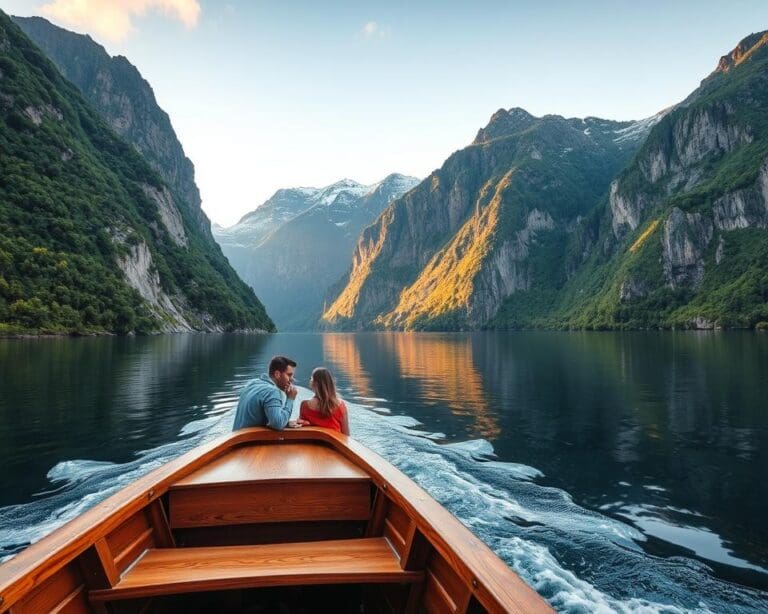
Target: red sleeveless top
(315, 418)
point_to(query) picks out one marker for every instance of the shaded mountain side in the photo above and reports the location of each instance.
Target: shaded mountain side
(115, 89)
(309, 248)
(257, 225)
(91, 237)
(491, 222)
(681, 239)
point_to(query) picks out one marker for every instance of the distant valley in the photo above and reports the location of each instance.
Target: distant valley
(296, 245)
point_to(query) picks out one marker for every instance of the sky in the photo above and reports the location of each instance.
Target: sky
(272, 94)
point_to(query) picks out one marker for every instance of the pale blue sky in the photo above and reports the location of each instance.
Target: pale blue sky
(266, 94)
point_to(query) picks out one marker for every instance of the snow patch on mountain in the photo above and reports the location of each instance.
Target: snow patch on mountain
(639, 129)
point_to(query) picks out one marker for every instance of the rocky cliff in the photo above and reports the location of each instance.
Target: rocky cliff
(490, 223)
(92, 238)
(683, 231)
(297, 244)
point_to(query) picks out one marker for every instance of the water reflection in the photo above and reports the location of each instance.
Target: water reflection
(102, 399)
(342, 351)
(622, 422)
(446, 375)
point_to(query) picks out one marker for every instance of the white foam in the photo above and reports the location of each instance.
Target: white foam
(76, 469)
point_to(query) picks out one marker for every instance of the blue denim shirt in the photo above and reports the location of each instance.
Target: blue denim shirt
(262, 403)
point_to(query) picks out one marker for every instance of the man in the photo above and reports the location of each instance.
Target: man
(261, 400)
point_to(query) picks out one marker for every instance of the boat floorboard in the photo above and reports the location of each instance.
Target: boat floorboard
(180, 570)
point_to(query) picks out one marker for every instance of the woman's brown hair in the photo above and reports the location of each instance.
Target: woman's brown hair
(325, 391)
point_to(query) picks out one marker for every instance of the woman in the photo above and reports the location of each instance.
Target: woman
(325, 408)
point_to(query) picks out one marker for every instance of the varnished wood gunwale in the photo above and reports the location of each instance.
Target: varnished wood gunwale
(494, 585)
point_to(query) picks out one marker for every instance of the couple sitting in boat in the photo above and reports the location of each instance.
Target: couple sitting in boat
(261, 400)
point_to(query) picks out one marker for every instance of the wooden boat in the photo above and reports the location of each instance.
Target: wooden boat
(301, 520)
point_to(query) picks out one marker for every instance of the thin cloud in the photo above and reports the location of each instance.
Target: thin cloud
(372, 29)
(113, 19)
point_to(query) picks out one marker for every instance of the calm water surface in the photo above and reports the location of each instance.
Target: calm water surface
(614, 472)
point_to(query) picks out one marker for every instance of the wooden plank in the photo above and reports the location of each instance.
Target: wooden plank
(53, 593)
(74, 603)
(417, 550)
(396, 540)
(445, 585)
(125, 535)
(107, 563)
(98, 567)
(159, 521)
(134, 550)
(298, 461)
(435, 599)
(269, 502)
(184, 570)
(269, 533)
(399, 521)
(375, 526)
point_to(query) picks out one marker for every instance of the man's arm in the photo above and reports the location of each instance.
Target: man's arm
(277, 412)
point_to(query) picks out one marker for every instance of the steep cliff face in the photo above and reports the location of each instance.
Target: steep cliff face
(309, 247)
(490, 223)
(116, 89)
(91, 237)
(683, 229)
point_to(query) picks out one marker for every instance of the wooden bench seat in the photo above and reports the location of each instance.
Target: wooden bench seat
(169, 571)
(275, 463)
(294, 482)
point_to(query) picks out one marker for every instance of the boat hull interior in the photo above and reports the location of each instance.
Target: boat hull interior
(266, 521)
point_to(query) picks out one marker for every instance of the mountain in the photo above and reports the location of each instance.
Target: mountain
(657, 223)
(299, 242)
(117, 91)
(92, 239)
(681, 240)
(491, 222)
(238, 241)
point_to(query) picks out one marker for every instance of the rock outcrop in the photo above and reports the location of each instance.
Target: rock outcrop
(687, 217)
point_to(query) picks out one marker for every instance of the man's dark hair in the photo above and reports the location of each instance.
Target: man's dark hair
(280, 363)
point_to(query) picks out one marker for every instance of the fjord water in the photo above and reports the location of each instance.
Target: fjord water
(614, 472)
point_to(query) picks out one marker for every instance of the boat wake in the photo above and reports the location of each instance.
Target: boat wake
(579, 560)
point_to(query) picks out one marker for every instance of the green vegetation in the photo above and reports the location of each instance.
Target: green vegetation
(68, 188)
(733, 292)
